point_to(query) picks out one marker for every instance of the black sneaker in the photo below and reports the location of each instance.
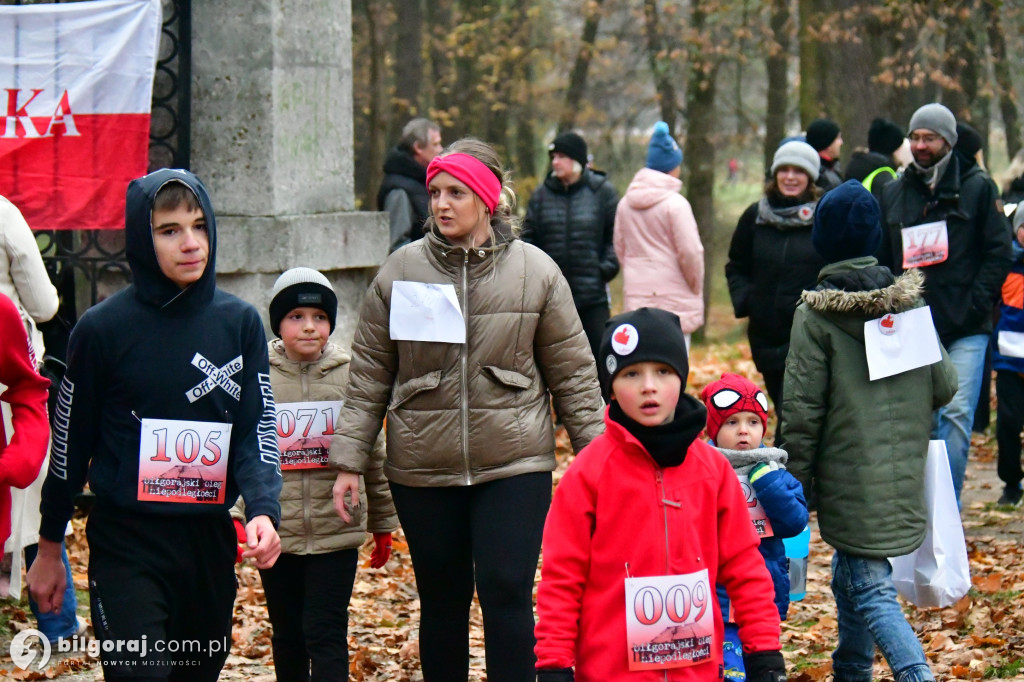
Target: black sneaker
(1011, 497)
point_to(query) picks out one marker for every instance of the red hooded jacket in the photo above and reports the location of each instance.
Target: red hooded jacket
(610, 510)
(20, 458)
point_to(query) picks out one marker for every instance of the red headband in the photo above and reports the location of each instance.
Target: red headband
(471, 171)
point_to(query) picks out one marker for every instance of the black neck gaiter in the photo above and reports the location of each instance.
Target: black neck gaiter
(667, 443)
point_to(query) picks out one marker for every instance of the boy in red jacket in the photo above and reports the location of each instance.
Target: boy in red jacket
(642, 526)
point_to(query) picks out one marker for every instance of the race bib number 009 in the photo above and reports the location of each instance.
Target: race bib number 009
(183, 461)
(669, 621)
(304, 433)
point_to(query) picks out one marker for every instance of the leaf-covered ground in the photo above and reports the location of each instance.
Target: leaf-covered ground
(982, 637)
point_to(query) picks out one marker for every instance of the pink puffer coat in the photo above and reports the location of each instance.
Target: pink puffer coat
(659, 249)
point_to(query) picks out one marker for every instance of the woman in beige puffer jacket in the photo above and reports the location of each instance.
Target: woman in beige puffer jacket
(470, 437)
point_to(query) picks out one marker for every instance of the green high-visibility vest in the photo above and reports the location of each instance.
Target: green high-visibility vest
(870, 178)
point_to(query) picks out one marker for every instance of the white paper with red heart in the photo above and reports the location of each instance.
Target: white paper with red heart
(899, 342)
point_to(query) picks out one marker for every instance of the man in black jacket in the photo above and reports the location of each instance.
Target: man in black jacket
(949, 220)
(571, 217)
(403, 192)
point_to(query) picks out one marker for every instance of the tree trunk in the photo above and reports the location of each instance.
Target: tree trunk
(523, 159)
(408, 64)
(1004, 83)
(376, 121)
(811, 52)
(660, 66)
(578, 76)
(777, 66)
(699, 148)
(439, 21)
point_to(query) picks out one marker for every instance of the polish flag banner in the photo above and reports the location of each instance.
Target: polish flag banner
(76, 80)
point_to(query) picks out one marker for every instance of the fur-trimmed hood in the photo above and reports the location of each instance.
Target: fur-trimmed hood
(744, 460)
(862, 288)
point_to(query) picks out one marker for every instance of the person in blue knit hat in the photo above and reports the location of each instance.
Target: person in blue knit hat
(859, 446)
(656, 238)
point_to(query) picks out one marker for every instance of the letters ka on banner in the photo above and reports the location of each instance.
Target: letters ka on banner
(76, 81)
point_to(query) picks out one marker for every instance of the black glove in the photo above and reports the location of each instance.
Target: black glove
(765, 666)
(556, 675)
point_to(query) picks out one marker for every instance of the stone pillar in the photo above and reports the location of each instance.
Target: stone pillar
(272, 139)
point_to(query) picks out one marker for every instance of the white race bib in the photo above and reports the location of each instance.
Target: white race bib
(422, 311)
(670, 621)
(924, 245)
(183, 461)
(304, 433)
(899, 342)
(758, 515)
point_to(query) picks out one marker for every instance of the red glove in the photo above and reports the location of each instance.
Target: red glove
(243, 540)
(381, 549)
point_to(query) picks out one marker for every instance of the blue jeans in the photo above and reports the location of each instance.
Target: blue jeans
(953, 421)
(869, 614)
(65, 623)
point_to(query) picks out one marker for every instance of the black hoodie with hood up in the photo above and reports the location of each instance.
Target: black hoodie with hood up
(138, 355)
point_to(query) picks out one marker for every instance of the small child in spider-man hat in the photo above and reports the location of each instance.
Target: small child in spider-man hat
(737, 413)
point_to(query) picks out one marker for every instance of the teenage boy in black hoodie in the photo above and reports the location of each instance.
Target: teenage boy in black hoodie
(167, 407)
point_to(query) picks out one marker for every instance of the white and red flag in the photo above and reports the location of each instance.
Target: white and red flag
(76, 80)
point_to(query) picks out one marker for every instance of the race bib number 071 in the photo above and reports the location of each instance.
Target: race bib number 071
(669, 621)
(183, 461)
(304, 433)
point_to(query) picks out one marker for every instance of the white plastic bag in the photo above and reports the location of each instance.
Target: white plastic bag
(937, 573)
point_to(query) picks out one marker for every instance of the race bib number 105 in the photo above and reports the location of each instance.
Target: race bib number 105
(670, 621)
(183, 461)
(304, 433)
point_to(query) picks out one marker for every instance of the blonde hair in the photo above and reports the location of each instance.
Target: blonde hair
(504, 219)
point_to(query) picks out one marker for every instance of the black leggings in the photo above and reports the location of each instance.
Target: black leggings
(493, 531)
(594, 318)
(307, 599)
(1009, 422)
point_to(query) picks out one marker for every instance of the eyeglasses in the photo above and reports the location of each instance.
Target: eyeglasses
(927, 139)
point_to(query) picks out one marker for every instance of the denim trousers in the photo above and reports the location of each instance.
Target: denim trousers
(953, 421)
(64, 623)
(869, 614)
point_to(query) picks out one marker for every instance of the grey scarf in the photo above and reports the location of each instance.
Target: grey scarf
(785, 217)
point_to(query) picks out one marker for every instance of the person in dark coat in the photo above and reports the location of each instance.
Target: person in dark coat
(957, 210)
(571, 217)
(403, 192)
(771, 261)
(876, 167)
(824, 135)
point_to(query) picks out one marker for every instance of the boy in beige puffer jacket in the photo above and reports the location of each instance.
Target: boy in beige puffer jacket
(309, 588)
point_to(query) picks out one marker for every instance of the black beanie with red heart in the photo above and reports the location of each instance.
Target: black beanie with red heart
(641, 335)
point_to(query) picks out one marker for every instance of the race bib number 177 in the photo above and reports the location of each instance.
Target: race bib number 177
(183, 461)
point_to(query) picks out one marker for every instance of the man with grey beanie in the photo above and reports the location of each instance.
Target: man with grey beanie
(948, 220)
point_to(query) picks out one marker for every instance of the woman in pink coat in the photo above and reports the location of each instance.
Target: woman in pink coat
(656, 238)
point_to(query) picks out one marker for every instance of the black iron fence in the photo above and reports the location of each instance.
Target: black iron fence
(86, 266)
